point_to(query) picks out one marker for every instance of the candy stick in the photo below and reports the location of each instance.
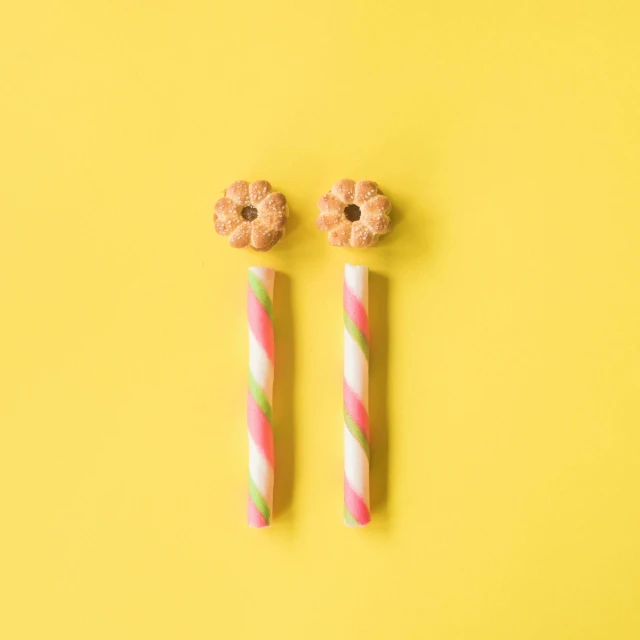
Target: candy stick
(259, 407)
(356, 396)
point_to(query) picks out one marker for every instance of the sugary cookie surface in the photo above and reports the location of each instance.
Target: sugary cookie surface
(251, 214)
(354, 214)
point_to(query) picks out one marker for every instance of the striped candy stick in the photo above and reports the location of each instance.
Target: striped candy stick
(259, 407)
(356, 396)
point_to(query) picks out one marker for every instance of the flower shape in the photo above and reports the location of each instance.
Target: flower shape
(251, 213)
(354, 213)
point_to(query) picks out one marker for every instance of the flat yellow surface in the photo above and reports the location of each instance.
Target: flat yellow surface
(504, 306)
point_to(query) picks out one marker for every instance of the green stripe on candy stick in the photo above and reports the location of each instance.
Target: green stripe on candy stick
(259, 502)
(348, 518)
(260, 397)
(356, 432)
(357, 335)
(261, 293)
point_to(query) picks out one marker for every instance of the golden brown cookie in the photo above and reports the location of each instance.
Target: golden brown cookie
(251, 214)
(355, 214)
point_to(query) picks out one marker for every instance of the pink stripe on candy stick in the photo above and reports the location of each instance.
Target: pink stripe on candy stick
(260, 429)
(355, 409)
(356, 311)
(256, 519)
(260, 324)
(355, 504)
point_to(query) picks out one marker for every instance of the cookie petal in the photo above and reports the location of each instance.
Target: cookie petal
(226, 207)
(377, 204)
(240, 236)
(263, 236)
(379, 223)
(275, 220)
(365, 190)
(327, 221)
(224, 225)
(273, 211)
(274, 203)
(239, 192)
(361, 235)
(345, 190)
(339, 236)
(258, 191)
(330, 204)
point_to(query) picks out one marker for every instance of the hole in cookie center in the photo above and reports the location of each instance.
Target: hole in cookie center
(249, 213)
(352, 212)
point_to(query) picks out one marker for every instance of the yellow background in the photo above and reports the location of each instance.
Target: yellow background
(505, 317)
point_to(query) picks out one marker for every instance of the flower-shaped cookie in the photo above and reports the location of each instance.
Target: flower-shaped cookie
(354, 213)
(251, 213)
